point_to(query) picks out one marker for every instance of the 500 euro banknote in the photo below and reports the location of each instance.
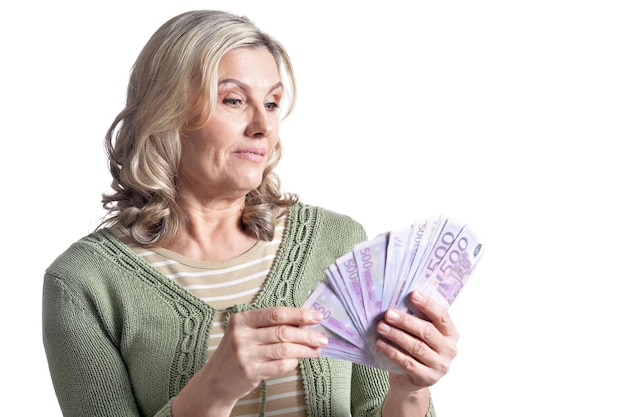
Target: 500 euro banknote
(435, 256)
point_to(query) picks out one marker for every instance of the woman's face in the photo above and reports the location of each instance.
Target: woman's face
(225, 159)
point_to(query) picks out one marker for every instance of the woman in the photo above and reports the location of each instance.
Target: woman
(186, 301)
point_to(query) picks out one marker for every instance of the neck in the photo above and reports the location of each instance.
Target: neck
(213, 233)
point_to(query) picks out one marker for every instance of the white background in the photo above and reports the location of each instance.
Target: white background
(507, 115)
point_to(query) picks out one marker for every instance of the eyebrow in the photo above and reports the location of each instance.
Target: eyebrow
(244, 85)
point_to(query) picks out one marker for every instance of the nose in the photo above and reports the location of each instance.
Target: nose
(262, 122)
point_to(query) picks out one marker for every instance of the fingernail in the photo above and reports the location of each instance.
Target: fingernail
(418, 297)
(392, 315)
(381, 344)
(383, 328)
(317, 316)
(322, 340)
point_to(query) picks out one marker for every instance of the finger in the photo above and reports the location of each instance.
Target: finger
(278, 325)
(414, 337)
(280, 351)
(275, 359)
(276, 316)
(436, 313)
(286, 333)
(250, 354)
(267, 370)
(422, 375)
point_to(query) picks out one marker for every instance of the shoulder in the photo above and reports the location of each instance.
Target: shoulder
(84, 251)
(93, 263)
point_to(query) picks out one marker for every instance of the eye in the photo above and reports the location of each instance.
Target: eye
(272, 105)
(232, 101)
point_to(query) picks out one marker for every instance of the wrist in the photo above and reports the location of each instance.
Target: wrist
(403, 402)
(197, 400)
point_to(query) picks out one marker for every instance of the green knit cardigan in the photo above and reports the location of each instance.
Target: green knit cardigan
(122, 339)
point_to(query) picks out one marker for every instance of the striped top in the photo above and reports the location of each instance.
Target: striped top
(223, 284)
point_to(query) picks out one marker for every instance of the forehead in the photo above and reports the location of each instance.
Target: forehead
(249, 65)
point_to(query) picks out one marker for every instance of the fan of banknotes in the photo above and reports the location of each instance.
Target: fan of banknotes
(436, 256)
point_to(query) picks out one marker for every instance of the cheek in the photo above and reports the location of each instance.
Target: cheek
(275, 133)
(194, 155)
(273, 157)
(196, 145)
(188, 149)
(274, 142)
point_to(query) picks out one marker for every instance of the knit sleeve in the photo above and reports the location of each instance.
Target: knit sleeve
(88, 374)
(369, 389)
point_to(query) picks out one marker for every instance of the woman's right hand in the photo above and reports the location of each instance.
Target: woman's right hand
(257, 345)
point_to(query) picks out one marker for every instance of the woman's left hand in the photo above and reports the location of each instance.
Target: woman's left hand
(423, 348)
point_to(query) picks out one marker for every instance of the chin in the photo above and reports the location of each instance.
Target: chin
(252, 181)
(250, 185)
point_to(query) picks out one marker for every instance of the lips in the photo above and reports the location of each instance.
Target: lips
(252, 154)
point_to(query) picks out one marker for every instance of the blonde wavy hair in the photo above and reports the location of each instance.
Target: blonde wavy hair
(174, 76)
